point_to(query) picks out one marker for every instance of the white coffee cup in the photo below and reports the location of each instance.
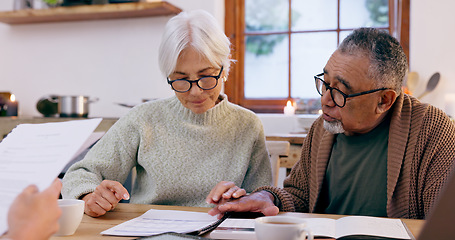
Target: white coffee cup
(72, 213)
(281, 227)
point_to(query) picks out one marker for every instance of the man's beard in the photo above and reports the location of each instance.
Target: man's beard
(333, 127)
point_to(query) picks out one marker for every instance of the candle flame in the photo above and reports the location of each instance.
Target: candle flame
(12, 98)
(289, 104)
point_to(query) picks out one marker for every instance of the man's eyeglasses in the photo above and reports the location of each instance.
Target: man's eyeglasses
(338, 97)
(205, 83)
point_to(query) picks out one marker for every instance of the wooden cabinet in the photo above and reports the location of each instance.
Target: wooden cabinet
(90, 12)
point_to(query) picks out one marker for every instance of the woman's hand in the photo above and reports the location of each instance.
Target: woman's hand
(33, 214)
(224, 191)
(105, 198)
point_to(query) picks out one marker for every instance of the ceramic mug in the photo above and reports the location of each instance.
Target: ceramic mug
(281, 227)
(72, 213)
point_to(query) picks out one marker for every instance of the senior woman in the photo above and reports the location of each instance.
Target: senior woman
(181, 146)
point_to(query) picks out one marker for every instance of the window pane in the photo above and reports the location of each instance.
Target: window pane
(266, 15)
(314, 15)
(310, 52)
(266, 66)
(344, 34)
(364, 13)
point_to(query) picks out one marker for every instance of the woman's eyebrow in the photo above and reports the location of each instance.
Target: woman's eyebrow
(199, 72)
(177, 72)
(206, 69)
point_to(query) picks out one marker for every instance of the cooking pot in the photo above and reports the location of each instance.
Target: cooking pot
(48, 105)
(74, 106)
(65, 106)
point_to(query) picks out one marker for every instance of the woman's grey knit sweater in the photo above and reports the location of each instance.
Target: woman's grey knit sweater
(179, 156)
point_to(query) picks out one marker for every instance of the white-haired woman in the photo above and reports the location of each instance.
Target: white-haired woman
(181, 146)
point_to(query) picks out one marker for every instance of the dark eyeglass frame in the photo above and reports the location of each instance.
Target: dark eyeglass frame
(170, 82)
(345, 96)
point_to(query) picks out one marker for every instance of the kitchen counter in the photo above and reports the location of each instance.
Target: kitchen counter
(8, 123)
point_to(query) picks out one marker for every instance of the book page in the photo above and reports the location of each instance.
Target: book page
(373, 226)
(155, 222)
(235, 228)
(322, 227)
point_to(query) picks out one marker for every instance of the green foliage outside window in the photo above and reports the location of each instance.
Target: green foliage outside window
(379, 11)
(261, 19)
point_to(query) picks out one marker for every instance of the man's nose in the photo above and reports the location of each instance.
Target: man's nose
(326, 99)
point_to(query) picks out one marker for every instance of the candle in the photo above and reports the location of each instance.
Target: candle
(2, 105)
(11, 106)
(289, 109)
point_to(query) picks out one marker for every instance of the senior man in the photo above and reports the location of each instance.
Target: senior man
(374, 151)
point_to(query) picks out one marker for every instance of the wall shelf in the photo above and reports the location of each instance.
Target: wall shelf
(90, 12)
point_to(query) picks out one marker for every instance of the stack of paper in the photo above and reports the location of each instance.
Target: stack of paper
(36, 154)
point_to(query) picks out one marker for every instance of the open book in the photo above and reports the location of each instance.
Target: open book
(352, 227)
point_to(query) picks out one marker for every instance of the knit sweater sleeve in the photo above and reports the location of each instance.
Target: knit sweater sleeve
(435, 147)
(112, 158)
(259, 170)
(296, 192)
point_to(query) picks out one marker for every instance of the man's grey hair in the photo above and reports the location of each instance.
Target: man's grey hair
(388, 62)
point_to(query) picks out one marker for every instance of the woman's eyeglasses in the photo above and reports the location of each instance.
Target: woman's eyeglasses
(205, 83)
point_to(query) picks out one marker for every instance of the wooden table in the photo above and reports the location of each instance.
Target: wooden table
(90, 228)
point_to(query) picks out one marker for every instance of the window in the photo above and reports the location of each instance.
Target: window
(281, 44)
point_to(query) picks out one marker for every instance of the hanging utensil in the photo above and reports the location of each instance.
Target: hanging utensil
(431, 85)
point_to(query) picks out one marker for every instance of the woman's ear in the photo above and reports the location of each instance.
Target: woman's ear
(387, 99)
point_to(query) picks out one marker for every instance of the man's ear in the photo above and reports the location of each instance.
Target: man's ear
(387, 99)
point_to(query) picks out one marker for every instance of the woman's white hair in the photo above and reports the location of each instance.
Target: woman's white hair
(199, 30)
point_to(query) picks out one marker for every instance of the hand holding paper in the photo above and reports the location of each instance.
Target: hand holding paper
(35, 154)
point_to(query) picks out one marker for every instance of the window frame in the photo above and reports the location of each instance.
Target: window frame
(234, 29)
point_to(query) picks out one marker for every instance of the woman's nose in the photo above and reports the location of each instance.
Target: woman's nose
(195, 89)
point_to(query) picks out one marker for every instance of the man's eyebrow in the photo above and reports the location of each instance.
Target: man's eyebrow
(344, 82)
(340, 79)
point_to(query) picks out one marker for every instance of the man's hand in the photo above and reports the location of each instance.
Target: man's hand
(224, 191)
(257, 202)
(105, 198)
(33, 214)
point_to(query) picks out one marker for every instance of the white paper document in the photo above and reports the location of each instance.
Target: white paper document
(36, 154)
(160, 221)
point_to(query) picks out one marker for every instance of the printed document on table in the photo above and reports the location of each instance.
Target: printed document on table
(35, 154)
(155, 222)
